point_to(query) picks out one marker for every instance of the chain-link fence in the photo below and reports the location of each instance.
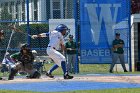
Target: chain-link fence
(31, 17)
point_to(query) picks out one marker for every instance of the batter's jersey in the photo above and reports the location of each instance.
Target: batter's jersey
(56, 38)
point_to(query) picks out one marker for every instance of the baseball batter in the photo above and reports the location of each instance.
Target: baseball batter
(56, 40)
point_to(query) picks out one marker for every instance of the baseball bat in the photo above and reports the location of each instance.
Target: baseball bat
(18, 30)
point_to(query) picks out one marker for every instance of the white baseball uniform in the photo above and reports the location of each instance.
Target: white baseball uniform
(56, 38)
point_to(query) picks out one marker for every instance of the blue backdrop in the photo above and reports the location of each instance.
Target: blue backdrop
(100, 20)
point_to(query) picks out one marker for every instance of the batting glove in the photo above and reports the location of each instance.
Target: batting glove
(34, 36)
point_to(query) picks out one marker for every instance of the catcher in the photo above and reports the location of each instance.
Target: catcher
(24, 62)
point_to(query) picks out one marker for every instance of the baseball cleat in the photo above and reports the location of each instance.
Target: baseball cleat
(68, 77)
(125, 71)
(49, 75)
(110, 71)
(1, 78)
(11, 78)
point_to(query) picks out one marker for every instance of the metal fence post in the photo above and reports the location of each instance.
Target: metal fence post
(76, 35)
(130, 61)
(28, 22)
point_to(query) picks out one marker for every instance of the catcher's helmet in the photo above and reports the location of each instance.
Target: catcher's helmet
(61, 27)
(23, 46)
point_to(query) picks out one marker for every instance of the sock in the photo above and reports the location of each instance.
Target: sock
(54, 67)
(63, 65)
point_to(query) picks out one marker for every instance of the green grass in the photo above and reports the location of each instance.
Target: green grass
(11, 91)
(130, 90)
(84, 68)
(93, 68)
(90, 69)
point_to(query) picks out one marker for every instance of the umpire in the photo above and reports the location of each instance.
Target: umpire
(118, 52)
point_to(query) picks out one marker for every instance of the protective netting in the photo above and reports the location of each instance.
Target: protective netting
(99, 21)
(31, 17)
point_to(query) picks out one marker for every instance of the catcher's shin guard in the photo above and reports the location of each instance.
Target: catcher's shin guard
(12, 74)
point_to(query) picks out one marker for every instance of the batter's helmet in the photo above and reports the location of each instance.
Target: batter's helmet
(61, 27)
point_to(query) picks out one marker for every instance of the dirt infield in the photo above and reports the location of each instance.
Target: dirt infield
(79, 82)
(93, 78)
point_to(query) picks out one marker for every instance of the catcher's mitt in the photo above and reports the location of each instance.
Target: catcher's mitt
(26, 59)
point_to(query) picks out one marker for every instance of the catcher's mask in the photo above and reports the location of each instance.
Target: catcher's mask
(25, 47)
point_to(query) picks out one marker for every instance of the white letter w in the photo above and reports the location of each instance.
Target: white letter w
(105, 15)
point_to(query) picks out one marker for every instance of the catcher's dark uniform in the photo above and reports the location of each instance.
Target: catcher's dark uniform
(24, 62)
